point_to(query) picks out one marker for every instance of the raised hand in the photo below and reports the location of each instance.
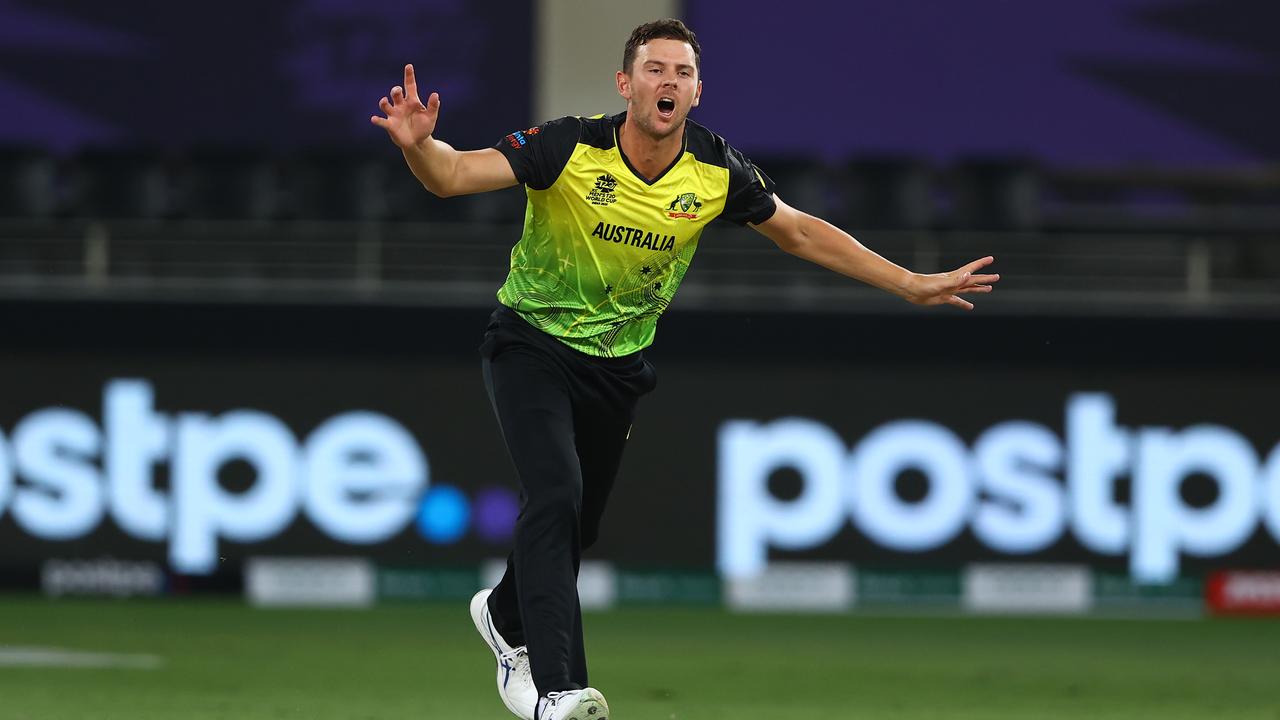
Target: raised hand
(408, 121)
(946, 288)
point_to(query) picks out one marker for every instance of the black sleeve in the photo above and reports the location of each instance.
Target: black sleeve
(537, 155)
(750, 197)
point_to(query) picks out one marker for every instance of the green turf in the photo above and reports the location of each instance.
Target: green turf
(225, 661)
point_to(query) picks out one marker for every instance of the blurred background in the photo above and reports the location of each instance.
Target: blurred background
(239, 339)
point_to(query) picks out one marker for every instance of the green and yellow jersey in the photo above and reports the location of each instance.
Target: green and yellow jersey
(603, 249)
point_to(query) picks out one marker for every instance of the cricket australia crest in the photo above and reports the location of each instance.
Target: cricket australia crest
(686, 205)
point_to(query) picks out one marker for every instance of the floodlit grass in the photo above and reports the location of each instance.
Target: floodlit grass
(224, 661)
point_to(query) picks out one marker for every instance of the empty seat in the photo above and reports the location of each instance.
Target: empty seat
(886, 193)
(337, 185)
(803, 183)
(28, 183)
(232, 184)
(124, 183)
(996, 194)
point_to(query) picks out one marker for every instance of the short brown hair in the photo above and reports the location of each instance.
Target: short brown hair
(669, 29)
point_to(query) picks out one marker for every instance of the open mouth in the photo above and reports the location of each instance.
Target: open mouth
(666, 107)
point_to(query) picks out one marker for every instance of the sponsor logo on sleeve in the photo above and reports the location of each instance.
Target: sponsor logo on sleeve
(519, 138)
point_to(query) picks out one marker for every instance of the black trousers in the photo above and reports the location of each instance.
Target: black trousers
(565, 417)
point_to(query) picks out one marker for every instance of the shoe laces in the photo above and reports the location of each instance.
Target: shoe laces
(518, 657)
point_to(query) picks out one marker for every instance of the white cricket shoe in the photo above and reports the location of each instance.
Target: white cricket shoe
(515, 682)
(586, 704)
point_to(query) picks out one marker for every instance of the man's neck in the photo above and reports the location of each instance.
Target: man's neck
(649, 156)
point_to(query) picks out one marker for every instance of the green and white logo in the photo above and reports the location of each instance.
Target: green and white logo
(686, 205)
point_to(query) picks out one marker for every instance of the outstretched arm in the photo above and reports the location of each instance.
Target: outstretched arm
(820, 242)
(441, 169)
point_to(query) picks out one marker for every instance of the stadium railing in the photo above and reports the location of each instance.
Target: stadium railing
(215, 223)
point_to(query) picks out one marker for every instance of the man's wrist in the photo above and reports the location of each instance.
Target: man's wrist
(908, 284)
(418, 148)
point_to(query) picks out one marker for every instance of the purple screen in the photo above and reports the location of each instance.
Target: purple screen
(287, 73)
(1069, 82)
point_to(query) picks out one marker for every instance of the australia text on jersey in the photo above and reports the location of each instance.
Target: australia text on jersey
(636, 237)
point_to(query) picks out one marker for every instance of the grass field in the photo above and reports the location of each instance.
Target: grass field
(221, 660)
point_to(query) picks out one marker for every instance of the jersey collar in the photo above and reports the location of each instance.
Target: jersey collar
(617, 143)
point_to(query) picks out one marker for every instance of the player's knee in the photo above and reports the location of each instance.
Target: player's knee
(558, 504)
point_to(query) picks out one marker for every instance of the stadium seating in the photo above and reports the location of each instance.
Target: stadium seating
(28, 183)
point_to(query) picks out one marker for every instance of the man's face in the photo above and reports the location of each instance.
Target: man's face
(662, 86)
